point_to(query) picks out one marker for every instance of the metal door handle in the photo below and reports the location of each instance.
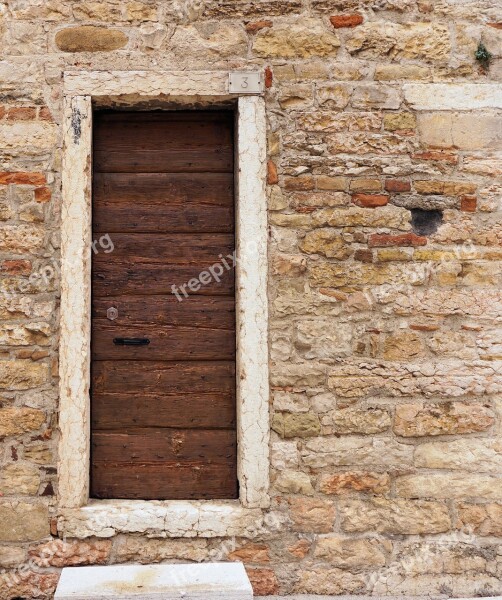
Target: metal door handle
(131, 341)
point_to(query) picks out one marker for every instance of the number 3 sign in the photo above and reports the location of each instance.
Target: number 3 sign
(245, 82)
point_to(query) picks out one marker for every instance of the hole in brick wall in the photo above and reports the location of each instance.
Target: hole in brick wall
(426, 222)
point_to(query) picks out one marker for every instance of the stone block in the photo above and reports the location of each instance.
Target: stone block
(225, 581)
(297, 40)
(23, 521)
(394, 516)
(89, 38)
(417, 419)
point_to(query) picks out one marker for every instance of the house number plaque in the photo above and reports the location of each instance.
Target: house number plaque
(245, 82)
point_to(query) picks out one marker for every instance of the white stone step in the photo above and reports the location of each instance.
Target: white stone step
(207, 581)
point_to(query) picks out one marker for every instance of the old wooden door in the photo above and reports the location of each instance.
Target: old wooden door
(163, 364)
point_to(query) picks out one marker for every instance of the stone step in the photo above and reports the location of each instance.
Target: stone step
(207, 581)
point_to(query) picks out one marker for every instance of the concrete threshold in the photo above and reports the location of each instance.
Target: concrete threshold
(207, 581)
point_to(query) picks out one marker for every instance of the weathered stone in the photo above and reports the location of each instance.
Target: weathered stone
(333, 95)
(333, 275)
(322, 339)
(483, 519)
(312, 515)
(430, 42)
(251, 553)
(294, 482)
(396, 72)
(23, 522)
(18, 478)
(463, 485)
(403, 345)
(28, 584)
(351, 554)
(356, 451)
(296, 41)
(330, 581)
(289, 425)
(276, 199)
(263, 581)
(396, 121)
(12, 556)
(15, 421)
(355, 420)
(374, 95)
(355, 481)
(145, 551)
(456, 130)
(368, 143)
(402, 380)
(214, 40)
(89, 38)
(284, 455)
(468, 454)
(26, 335)
(415, 420)
(353, 216)
(22, 375)
(68, 553)
(394, 516)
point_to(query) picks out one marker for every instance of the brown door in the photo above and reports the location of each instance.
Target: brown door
(163, 362)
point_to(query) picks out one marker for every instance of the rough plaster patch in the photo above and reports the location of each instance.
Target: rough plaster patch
(453, 96)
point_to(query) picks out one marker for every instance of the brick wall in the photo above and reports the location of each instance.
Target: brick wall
(385, 284)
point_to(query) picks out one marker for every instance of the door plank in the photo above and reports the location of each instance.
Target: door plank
(216, 312)
(131, 277)
(138, 377)
(154, 202)
(183, 249)
(203, 410)
(164, 445)
(164, 481)
(166, 343)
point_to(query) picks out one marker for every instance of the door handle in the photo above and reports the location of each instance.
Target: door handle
(131, 341)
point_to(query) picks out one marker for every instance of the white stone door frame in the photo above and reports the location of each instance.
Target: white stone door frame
(78, 515)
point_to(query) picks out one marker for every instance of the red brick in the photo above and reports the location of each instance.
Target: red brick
(370, 200)
(16, 267)
(251, 553)
(384, 240)
(43, 194)
(306, 209)
(257, 25)
(397, 185)
(272, 177)
(301, 183)
(3, 112)
(269, 77)
(45, 114)
(418, 327)
(264, 581)
(495, 25)
(438, 155)
(23, 113)
(339, 21)
(468, 203)
(22, 178)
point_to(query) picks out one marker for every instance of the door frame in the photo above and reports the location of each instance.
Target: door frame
(77, 514)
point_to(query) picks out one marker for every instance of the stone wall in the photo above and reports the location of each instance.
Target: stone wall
(384, 174)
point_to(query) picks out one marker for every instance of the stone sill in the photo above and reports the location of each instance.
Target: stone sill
(199, 518)
(376, 597)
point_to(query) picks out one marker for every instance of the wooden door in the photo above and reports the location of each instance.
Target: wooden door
(163, 412)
